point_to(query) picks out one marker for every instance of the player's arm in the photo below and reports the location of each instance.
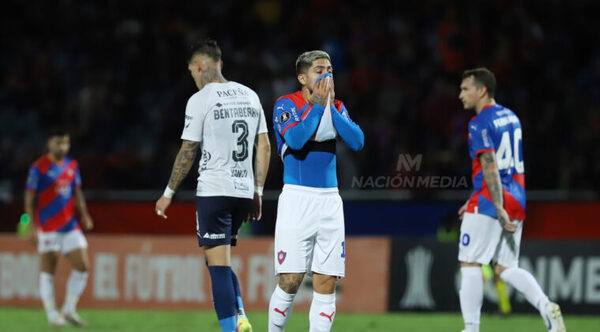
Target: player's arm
(81, 206)
(30, 210)
(491, 176)
(183, 163)
(261, 167)
(349, 131)
(31, 187)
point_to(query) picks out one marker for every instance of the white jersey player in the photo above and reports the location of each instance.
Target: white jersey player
(225, 120)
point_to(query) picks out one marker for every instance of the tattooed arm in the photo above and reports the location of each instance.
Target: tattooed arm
(183, 163)
(494, 185)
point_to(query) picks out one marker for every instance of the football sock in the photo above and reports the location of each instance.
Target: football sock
(280, 309)
(525, 283)
(471, 296)
(238, 294)
(223, 296)
(322, 312)
(75, 286)
(47, 294)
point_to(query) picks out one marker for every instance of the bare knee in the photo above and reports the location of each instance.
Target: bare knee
(290, 282)
(324, 284)
(79, 260)
(498, 269)
(465, 264)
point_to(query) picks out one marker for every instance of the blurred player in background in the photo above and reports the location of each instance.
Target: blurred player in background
(492, 218)
(309, 233)
(226, 120)
(52, 196)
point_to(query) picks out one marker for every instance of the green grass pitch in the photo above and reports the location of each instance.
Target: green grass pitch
(18, 319)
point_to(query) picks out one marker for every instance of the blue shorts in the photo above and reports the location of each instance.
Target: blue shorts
(218, 219)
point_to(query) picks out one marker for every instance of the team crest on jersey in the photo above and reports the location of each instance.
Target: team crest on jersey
(285, 117)
(281, 256)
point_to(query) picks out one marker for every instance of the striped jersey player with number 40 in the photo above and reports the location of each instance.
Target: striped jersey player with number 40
(493, 216)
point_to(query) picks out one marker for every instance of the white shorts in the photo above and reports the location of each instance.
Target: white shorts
(63, 242)
(309, 233)
(482, 239)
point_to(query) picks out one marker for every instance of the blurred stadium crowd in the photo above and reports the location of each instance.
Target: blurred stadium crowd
(116, 72)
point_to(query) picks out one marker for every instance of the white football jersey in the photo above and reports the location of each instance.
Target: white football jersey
(225, 118)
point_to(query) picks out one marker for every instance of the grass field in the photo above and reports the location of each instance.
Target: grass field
(17, 319)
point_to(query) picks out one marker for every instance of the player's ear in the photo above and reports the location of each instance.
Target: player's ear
(482, 91)
(302, 79)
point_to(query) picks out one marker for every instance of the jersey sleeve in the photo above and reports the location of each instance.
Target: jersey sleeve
(194, 119)
(349, 131)
(296, 129)
(285, 115)
(33, 179)
(480, 138)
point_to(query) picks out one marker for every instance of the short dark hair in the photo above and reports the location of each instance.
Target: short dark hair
(57, 130)
(482, 77)
(306, 59)
(206, 46)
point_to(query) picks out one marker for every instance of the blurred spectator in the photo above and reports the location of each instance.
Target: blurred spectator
(114, 71)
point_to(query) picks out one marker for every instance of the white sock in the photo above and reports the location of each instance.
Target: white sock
(525, 283)
(75, 286)
(322, 312)
(280, 309)
(47, 294)
(471, 296)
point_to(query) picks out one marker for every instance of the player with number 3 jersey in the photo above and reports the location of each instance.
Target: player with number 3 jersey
(226, 121)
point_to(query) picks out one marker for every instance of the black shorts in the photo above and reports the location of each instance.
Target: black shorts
(218, 219)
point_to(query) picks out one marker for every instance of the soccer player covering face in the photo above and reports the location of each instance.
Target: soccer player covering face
(226, 121)
(54, 200)
(309, 232)
(492, 218)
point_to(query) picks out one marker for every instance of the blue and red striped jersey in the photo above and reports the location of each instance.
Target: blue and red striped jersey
(54, 185)
(497, 128)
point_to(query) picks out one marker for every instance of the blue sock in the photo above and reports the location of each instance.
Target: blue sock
(223, 296)
(238, 293)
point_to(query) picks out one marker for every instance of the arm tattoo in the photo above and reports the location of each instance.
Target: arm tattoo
(183, 163)
(492, 178)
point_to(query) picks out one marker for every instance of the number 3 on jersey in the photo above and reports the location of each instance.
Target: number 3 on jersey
(507, 157)
(237, 126)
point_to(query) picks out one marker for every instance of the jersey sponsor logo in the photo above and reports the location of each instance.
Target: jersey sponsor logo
(63, 188)
(231, 93)
(503, 121)
(285, 117)
(213, 236)
(484, 136)
(188, 120)
(204, 160)
(236, 112)
(240, 186)
(281, 256)
(238, 172)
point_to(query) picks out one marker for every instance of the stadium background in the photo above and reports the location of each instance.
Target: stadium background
(115, 71)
